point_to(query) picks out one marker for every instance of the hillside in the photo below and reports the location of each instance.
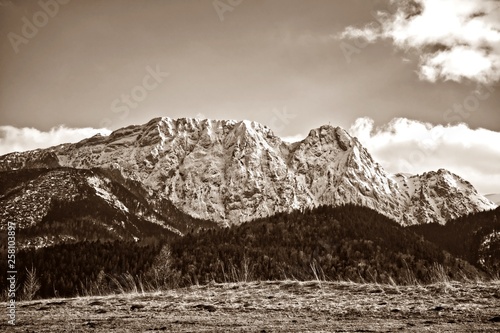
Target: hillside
(474, 237)
(347, 243)
(61, 205)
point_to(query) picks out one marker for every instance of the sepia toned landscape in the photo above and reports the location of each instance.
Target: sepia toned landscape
(249, 166)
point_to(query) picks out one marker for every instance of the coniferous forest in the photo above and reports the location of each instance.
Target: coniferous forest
(348, 243)
(474, 237)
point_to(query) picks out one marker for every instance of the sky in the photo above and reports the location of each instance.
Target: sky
(416, 81)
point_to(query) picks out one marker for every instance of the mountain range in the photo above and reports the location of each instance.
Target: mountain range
(222, 172)
(149, 200)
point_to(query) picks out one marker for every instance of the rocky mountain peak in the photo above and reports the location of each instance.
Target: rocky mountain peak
(231, 171)
(329, 134)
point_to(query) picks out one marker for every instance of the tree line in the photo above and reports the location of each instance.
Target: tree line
(348, 243)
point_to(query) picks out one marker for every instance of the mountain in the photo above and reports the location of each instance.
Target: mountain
(231, 172)
(68, 205)
(473, 237)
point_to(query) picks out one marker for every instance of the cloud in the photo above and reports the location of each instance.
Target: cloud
(415, 147)
(293, 138)
(22, 139)
(454, 39)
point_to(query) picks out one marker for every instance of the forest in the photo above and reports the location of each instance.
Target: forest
(348, 243)
(465, 237)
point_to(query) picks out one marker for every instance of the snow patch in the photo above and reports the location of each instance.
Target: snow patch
(98, 186)
(488, 239)
(451, 181)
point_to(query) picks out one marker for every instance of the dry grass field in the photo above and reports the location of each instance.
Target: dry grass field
(282, 306)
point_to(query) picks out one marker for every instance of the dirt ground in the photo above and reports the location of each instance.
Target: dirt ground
(285, 306)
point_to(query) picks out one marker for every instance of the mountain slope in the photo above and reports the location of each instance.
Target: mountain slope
(348, 243)
(474, 237)
(51, 206)
(232, 172)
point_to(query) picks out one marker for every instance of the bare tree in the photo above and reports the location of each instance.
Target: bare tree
(161, 275)
(31, 284)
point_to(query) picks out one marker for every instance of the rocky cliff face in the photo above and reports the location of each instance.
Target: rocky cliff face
(235, 171)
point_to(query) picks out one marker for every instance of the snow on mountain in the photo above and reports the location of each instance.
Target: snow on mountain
(66, 205)
(99, 186)
(441, 196)
(235, 171)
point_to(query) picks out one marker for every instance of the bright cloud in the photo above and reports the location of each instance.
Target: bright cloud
(293, 138)
(22, 139)
(455, 39)
(415, 147)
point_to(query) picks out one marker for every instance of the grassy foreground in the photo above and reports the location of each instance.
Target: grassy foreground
(274, 306)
